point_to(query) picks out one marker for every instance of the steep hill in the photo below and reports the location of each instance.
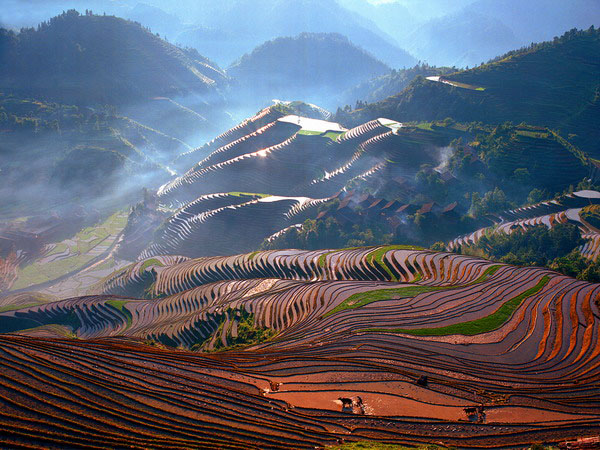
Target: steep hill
(277, 169)
(384, 86)
(553, 84)
(65, 59)
(310, 66)
(58, 152)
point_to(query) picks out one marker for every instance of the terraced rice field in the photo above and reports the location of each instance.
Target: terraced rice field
(567, 209)
(305, 155)
(71, 254)
(394, 344)
(455, 83)
(269, 173)
(212, 224)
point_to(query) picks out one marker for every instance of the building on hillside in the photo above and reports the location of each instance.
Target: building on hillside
(448, 178)
(390, 207)
(345, 213)
(365, 200)
(450, 212)
(375, 208)
(428, 208)
(407, 210)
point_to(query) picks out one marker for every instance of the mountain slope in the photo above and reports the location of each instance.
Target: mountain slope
(64, 59)
(96, 60)
(384, 86)
(311, 66)
(550, 84)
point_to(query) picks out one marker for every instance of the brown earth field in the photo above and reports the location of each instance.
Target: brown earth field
(306, 349)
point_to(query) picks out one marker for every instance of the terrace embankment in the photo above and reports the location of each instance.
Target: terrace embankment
(572, 208)
(306, 349)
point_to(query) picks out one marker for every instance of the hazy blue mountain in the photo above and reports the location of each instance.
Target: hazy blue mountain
(538, 20)
(393, 18)
(461, 39)
(259, 20)
(311, 66)
(467, 32)
(83, 58)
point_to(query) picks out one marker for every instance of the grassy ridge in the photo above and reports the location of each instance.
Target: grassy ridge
(119, 305)
(477, 326)
(364, 298)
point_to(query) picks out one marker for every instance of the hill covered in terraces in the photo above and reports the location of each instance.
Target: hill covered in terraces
(308, 349)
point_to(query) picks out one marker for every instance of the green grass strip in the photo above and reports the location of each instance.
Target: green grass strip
(248, 194)
(17, 307)
(252, 255)
(119, 305)
(378, 255)
(477, 326)
(364, 298)
(150, 262)
(323, 257)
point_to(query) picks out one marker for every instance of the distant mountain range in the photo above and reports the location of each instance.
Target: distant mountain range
(310, 66)
(461, 33)
(468, 32)
(259, 20)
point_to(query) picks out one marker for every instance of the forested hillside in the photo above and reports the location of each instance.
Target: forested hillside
(311, 66)
(553, 84)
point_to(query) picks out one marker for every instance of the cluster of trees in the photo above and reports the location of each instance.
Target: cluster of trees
(18, 114)
(329, 233)
(491, 202)
(555, 248)
(574, 33)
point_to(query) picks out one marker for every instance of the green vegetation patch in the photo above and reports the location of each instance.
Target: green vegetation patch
(310, 133)
(477, 326)
(79, 247)
(367, 445)
(248, 334)
(16, 307)
(333, 135)
(119, 305)
(252, 255)
(424, 126)
(150, 262)
(378, 255)
(248, 194)
(364, 298)
(323, 257)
